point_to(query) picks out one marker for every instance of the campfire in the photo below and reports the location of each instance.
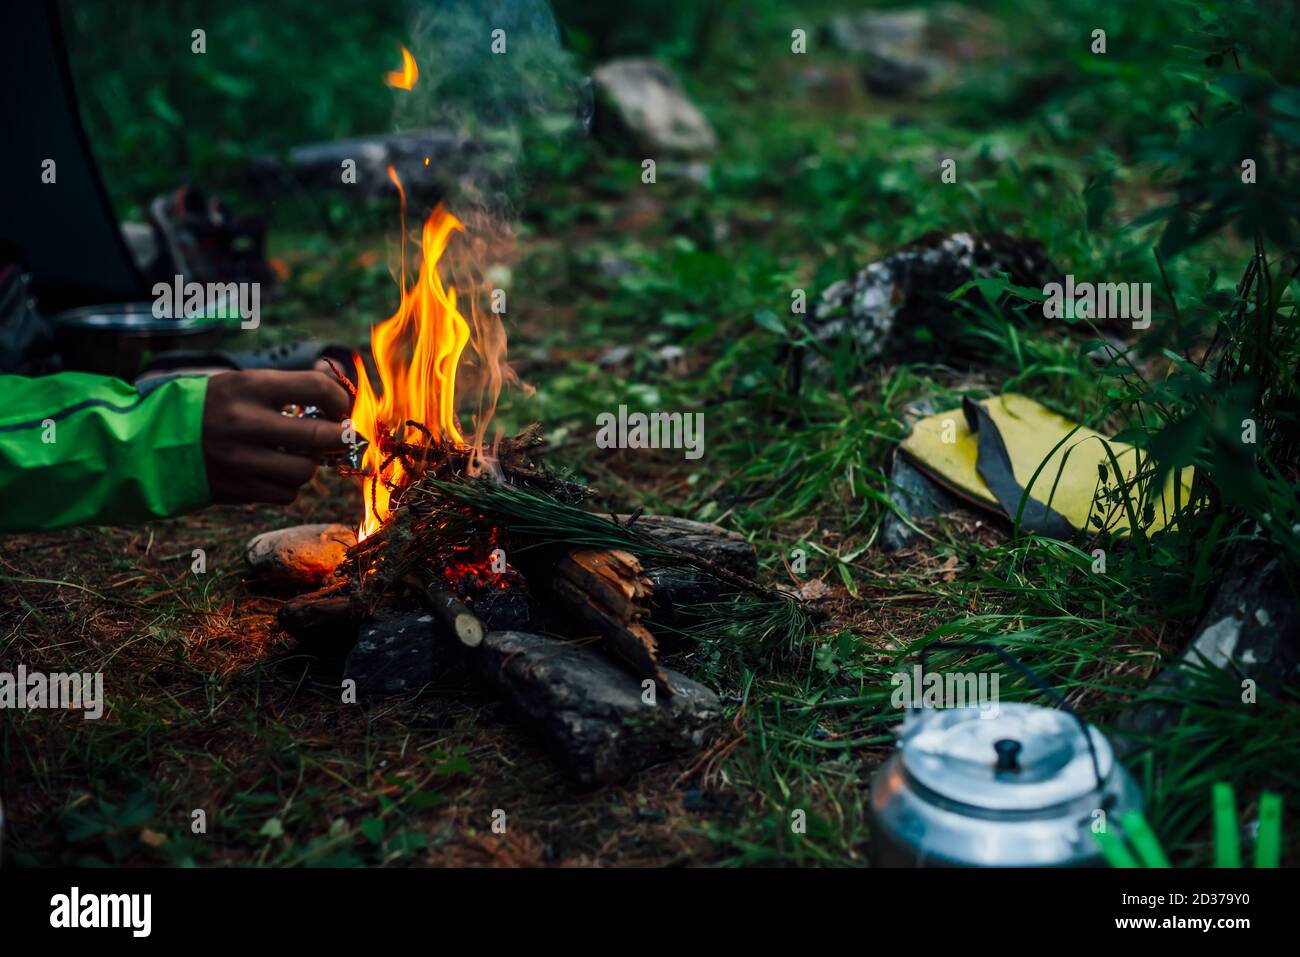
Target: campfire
(473, 551)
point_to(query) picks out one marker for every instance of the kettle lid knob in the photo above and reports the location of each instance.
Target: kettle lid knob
(1008, 750)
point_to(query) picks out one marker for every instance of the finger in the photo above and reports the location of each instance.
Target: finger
(279, 389)
(271, 465)
(309, 436)
(246, 489)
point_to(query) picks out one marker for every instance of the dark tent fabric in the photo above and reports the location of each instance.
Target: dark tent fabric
(64, 233)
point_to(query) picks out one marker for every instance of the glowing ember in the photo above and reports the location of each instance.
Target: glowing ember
(404, 79)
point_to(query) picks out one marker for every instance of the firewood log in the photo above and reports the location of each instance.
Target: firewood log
(680, 588)
(452, 613)
(605, 591)
(318, 612)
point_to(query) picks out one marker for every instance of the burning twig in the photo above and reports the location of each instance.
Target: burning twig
(343, 380)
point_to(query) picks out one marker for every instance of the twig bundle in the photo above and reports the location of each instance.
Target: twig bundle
(445, 518)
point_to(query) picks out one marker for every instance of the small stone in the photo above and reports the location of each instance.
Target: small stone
(1112, 351)
(641, 100)
(1251, 629)
(302, 556)
(814, 590)
(914, 52)
(614, 357)
(918, 498)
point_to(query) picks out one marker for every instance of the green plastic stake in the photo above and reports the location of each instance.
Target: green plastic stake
(1227, 840)
(1268, 846)
(1113, 849)
(1144, 840)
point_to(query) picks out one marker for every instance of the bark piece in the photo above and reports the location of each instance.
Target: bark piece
(592, 714)
(719, 545)
(605, 591)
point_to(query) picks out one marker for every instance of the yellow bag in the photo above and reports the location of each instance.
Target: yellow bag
(988, 452)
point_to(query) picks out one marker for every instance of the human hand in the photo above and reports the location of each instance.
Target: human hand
(253, 452)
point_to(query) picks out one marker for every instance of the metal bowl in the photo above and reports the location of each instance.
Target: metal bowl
(119, 338)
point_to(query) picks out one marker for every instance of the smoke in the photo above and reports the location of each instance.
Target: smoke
(493, 78)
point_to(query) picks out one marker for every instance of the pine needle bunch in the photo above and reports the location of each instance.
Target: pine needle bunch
(442, 520)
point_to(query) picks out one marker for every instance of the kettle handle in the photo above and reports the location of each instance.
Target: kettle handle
(1036, 681)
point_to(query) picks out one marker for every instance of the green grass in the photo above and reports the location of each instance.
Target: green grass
(1053, 142)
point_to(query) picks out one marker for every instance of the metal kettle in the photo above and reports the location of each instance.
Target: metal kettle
(1026, 787)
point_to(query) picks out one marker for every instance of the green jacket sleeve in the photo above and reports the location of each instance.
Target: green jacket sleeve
(81, 449)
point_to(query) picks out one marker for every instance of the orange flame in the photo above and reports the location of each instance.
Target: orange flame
(417, 352)
(404, 79)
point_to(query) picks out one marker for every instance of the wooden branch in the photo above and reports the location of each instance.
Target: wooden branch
(306, 616)
(452, 613)
(455, 615)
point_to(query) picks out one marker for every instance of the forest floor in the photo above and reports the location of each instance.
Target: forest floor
(212, 709)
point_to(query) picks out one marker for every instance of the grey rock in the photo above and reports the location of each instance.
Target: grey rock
(893, 48)
(1251, 629)
(399, 655)
(614, 266)
(301, 556)
(913, 52)
(614, 357)
(869, 31)
(917, 497)
(1113, 351)
(641, 101)
(320, 165)
(899, 305)
(672, 357)
(590, 712)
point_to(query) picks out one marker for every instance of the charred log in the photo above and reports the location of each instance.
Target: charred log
(319, 614)
(593, 715)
